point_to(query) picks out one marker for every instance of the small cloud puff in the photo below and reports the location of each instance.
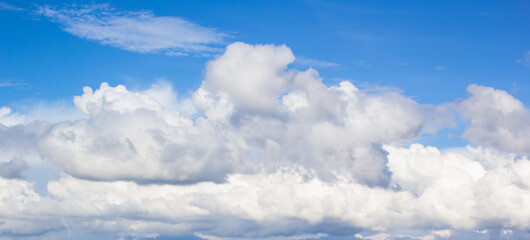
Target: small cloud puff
(497, 119)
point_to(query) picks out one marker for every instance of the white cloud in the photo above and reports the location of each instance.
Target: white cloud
(440, 234)
(12, 83)
(252, 76)
(463, 195)
(271, 152)
(332, 130)
(9, 118)
(497, 119)
(256, 114)
(13, 168)
(49, 111)
(19, 141)
(135, 31)
(295, 237)
(131, 136)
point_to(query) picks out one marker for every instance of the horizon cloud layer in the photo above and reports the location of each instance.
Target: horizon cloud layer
(267, 151)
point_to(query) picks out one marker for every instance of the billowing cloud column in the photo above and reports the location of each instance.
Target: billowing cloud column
(290, 117)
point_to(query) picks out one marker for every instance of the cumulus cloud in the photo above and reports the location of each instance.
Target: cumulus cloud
(270, 152)
(290, 116)
(250, 76)
(463, 195)
(18, 142)
(139, 31)
(255, 114)
(132, 136)
(47, 111)
(497, 119)
(439, 234)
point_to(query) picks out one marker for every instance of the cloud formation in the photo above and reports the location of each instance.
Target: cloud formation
(271, 151)
(13, 168)
(131, 136)
(497, 119)
(462, 194)
(9, 118)
(257, 115)
(139, 31)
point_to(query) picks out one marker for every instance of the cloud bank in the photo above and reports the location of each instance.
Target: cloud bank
(139, 31)
(270, 151)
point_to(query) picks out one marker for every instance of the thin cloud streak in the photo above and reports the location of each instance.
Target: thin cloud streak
(6, 6)
(526, 59)
(12, 83)
(137, 31)
(309, 62)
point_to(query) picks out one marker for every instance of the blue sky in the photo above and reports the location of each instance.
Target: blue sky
(265, 119)
(430, 50)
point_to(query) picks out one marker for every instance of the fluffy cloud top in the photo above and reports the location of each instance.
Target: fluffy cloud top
(251, 76)
(271, 151)
(257, 115)
(131, 136)
(134, 31)
(497, 119)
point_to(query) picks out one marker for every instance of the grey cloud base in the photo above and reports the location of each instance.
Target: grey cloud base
(269, 151)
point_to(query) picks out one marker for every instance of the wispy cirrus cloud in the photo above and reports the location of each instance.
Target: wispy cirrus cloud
(7, 6)
(526, 59)
(309, 62)
(137, 31)
(12, 83)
